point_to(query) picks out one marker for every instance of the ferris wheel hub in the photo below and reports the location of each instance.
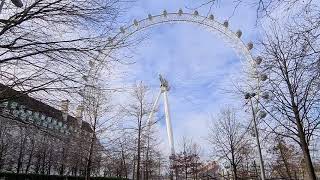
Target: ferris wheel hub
(164, 85)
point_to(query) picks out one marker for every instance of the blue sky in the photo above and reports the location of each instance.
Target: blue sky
(198, 64)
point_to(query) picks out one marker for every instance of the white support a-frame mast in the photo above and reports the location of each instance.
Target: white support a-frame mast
(164, 88)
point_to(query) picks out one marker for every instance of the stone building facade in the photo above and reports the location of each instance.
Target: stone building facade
(38, 138)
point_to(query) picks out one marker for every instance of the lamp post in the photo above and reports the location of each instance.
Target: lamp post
(17, 3)
(248, 96)
(254, 116)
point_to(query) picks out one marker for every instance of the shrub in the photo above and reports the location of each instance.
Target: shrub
(13, 176)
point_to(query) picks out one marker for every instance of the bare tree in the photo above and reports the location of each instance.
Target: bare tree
(187, 162)
(153, 157)
(286, 160)
(228, 139)
(47, 45)
(145, 142)
(27, 147)
(270, 8)
(5, 139)
(96, 105)
(139, 109)
(291, 51)
(292, 64)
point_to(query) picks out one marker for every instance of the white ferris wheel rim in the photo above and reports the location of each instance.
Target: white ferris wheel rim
(232, 39)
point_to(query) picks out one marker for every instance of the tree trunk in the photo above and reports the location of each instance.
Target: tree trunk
(255, 169)
(21, 150)
(37, 164)
(134, 168)
(147, 162)
(304, 145)
(139, 151)
(49, 162)
(139, 139)
(30, 157)
(124, 163)
(89, 164)
(233, 164)
(19, 163)
(43, 163)
(300, 128)
(306, 155)
(284, 159)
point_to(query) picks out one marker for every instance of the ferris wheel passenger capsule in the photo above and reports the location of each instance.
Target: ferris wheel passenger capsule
(258, 60)
(250, 46)
(91, 63)
(165, 13)
(110, 39)
(196, 13)
(247, 95)
(253, 94)
(211, 17)
(263, 77)
(239, 33)
(150, 17)
(122, 30)
(85, 78)
(135, 22)
(226, 23)
(265, 95)
(262, 114)
(180, 12)
(17, 3)
(252, 132)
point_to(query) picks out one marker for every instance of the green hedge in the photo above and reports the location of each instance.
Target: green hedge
(13, 176)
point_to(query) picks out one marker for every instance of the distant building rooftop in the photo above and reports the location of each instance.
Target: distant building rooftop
(9, 94)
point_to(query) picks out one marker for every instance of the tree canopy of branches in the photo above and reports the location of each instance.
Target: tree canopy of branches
(147, 159)
(286, 160)
(47, 45)
(228, 139)
(292, 63)
(187, 162)
(97, 106)
(291, 58)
